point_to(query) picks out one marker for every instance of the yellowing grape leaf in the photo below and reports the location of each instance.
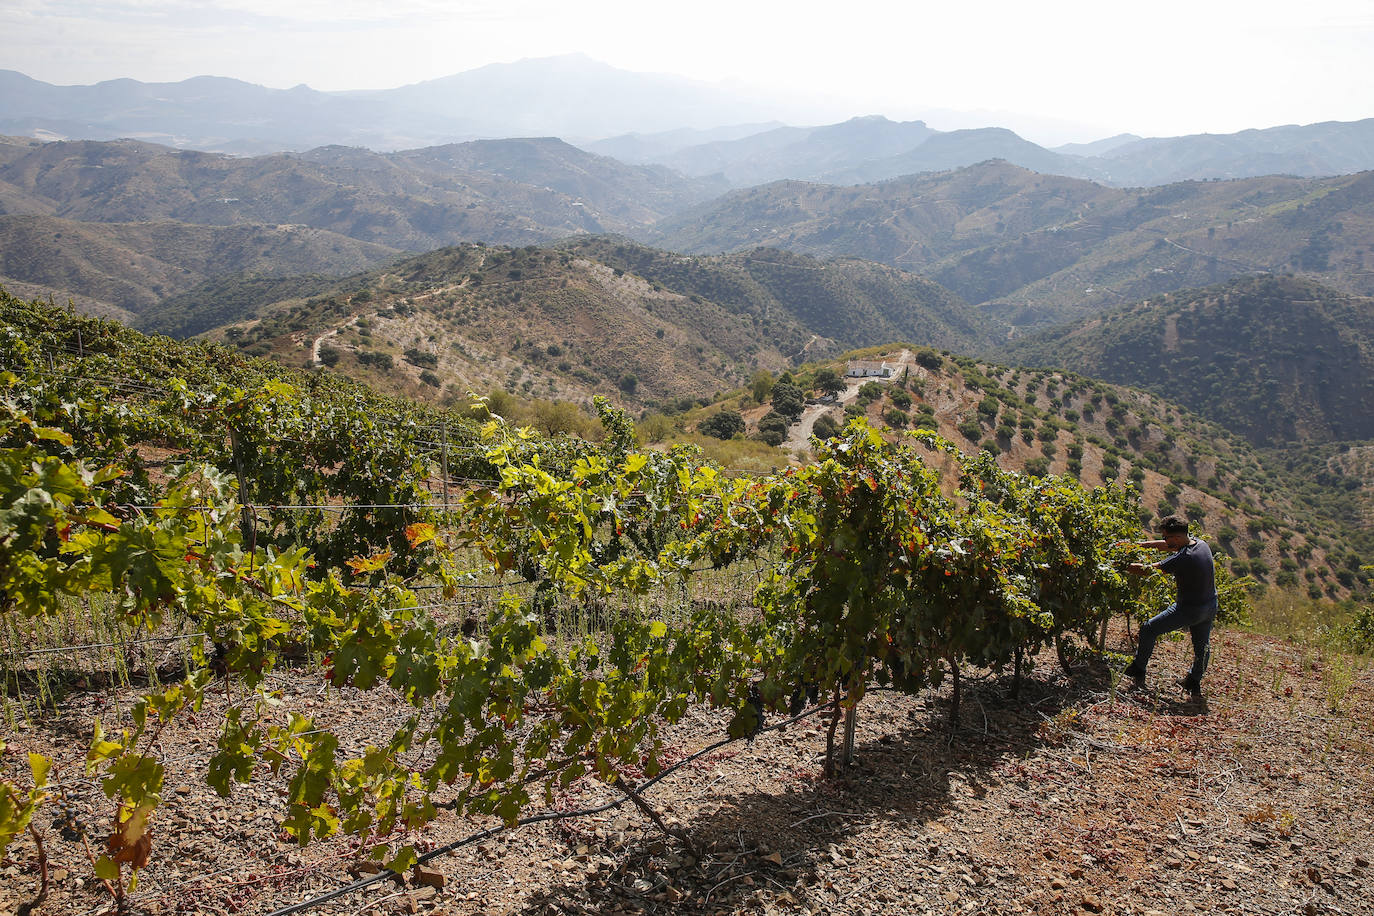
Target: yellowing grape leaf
(364, 565)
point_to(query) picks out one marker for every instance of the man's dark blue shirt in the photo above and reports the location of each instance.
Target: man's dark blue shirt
(1193, 574)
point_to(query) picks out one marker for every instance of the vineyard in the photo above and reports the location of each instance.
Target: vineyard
(186, 532)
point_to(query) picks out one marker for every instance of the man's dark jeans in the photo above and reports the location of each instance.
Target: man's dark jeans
(1197, 620)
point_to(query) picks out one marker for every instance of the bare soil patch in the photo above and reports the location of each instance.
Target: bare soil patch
(1071, 798)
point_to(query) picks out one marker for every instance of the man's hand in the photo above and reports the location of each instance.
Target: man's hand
(1139, 569)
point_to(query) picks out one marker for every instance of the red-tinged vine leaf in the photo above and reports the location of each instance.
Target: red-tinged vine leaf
(420, 533)
(132, 839)
(361, 566)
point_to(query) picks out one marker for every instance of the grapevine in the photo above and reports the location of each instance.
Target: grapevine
(293, 524)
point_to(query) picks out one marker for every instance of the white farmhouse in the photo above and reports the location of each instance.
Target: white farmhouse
(866, 368)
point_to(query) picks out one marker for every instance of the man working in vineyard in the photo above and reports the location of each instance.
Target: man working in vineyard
(1194, 607)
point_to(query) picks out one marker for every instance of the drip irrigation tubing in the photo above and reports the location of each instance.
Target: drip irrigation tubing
(387, 874)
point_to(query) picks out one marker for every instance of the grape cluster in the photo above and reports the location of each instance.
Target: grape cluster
(68, 823)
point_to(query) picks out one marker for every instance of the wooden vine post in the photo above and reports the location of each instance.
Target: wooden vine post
(248, 520)
(847, 746)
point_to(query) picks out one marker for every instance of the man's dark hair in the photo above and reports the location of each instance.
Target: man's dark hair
(1174, 524)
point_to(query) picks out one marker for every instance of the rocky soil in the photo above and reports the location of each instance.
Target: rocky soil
(1071, 799)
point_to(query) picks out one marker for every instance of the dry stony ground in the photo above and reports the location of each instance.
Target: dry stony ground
(1071, 799)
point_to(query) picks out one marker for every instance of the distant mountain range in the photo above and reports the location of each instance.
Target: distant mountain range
(700, 129)
(569, 96)
(873, 148)
(1030, 249)
(1037, 249)
(509, 191)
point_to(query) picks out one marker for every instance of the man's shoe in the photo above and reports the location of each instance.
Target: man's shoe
(1193, 690)
(1136, 678)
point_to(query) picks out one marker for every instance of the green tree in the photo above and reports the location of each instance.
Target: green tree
(723, 425)
(762, 385)
(826, 427)
(788, 400)
(773, 428)
(827, 381)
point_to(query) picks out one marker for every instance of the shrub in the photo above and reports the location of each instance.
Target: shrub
(970, 429)
(928, 358)
(376, 360)
(788, 400)
(826, 427)
(421, 359)
(1358, 633)
(723, 425)
(762, 385)
(895, 417)
(773, 429)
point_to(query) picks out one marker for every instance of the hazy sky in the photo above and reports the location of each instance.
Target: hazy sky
(1158, 68)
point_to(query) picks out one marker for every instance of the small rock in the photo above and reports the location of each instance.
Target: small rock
(1092, 904)
(1361, 862)
(1228, 884)
(428, 877)
(409, 904)
(774, 857)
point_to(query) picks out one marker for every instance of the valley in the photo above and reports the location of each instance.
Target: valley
(403, 514)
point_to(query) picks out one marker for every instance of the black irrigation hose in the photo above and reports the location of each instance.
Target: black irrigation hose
(387, 873)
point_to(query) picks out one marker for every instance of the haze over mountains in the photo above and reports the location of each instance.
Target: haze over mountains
(567, 96)
(700, 129)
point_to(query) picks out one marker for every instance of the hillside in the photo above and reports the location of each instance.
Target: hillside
(598, 314)
(1253, 506)
(1033, 250)
(668, 333)
(1091, 801)
(1037, 250)
(136, 266)
(1049, 790)
(516, 191)
(853, 302)
(1275, 359)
